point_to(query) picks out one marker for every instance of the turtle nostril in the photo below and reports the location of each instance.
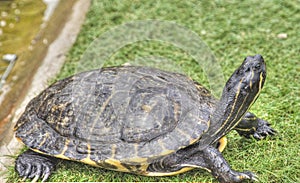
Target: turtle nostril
(247, 69)
(258, 57)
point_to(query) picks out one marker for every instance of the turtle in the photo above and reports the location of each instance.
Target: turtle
(140, 120)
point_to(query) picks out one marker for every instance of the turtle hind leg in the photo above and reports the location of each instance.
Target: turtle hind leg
(34, 166)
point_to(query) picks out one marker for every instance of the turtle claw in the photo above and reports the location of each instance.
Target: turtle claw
(241, 176)
(236, 177)
(45, 177)
(250, 176)
(263, 130)
(255, 178)
(47, 173)
(24, 178)
(35, 178)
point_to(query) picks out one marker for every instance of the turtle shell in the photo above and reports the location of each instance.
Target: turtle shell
(116, 115)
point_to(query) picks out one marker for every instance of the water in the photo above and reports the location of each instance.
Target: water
(22, 24)
(19, 24)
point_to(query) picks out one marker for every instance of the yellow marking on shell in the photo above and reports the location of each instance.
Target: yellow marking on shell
(88, 160)
(161, 144)
(176, 110)
(38, 151)
(113, 151)
(16, 127)
(201, 89)
(65, 120)
(223, 143)
(102, 108)
(136, 150)
(19, 139)
(61, 155)
(142, 169)
(60, 108)
(136, 159)
(192, 141)
(147, 108)
(117, 164)
(183, 133)
(208, 124)
(165, 151)
(185, 169)
(44, 140)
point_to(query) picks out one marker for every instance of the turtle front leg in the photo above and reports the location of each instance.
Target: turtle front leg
(215, 162)
(252, 125)
(209, 158)
(34, 166)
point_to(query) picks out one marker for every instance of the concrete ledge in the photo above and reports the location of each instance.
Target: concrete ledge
(50, 66)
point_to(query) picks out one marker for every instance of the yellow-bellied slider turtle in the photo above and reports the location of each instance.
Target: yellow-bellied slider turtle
(140, 120)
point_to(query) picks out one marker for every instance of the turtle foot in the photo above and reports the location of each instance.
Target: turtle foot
(234, 176)
(263, 130)
(34, 166)
(251, 125)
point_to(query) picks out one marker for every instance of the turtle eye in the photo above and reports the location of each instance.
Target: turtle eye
(257, 66)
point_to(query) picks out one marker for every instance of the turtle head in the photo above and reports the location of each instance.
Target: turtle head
(239, 93)
(246, 82)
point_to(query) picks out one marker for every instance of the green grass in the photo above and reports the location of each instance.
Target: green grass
(232, 30)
